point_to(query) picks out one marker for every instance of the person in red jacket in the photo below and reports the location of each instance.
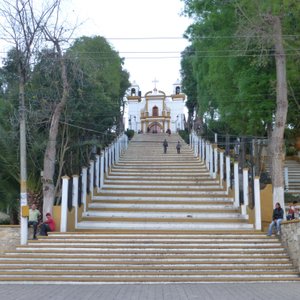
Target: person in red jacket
(48, 225)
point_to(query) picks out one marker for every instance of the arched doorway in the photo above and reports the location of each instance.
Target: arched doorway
(155, 127)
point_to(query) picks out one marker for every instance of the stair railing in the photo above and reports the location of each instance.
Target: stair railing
(213, 158)
(91, 180)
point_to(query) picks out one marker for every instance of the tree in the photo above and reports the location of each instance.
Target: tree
(243, 73)
(22, 27)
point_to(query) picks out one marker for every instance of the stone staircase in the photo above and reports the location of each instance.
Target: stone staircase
(159, 218)
(293, 176)
(150, 190)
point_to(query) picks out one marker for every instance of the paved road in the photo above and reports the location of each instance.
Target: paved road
(212, 291)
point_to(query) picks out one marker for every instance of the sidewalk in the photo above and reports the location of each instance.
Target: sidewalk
(220, 291)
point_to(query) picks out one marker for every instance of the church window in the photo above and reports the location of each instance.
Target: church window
(133, 92)
(155, 111)
(177, 90)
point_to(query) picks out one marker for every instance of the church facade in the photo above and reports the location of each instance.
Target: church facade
(155, 111)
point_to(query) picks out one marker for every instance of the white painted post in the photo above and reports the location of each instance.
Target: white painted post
(118, 150)
(200, 148)
(126, 142)
(195, 146)
(91, 173)
(64, 204)
(236, 184)
(211, 161)
(84, 185)
(101, 169)
(221, 167)
(286, 178)
(97, 170)
(203, 150)
(111, 155)
(106, 160)
(245, 191)
(190, 138)
(257, 203)
(23, 221)
(216, 138)
(113, 147)
(109, 158)
(75, 196)
(207, 156)
(228, 171)
(215, 161)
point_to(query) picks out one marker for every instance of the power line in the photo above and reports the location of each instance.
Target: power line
(80, 127)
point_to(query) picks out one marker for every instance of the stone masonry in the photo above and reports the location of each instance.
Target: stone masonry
(291, 240)
(9, 237)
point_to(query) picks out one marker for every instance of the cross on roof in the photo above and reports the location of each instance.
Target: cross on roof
(155, 81)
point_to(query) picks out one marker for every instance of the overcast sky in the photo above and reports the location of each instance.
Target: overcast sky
(119, 20)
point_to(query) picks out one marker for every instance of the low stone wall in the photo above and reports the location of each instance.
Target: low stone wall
(9, 237)
(290, 237)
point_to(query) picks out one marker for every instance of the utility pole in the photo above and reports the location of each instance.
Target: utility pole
(23, 161)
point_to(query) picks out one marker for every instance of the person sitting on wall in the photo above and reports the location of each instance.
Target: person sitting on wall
(33, 219)
(48, 225)
(291, 212)
(277, 219)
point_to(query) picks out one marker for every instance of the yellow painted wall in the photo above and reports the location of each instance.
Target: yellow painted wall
(251, 213)
(71, 220)
(266, 206)
(80, 212)
(56, 216)
(266, 199)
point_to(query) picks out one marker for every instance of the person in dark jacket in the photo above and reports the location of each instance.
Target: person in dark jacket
(277, 219)
(165, 144)
(178, 147)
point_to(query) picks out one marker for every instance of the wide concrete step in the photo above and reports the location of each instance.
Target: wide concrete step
(169, 158)
(147, 267)
(165, 215)
(159, 168)
(90, 279)
(166, 207)
(160, 188)
(158, 178)
(161, 175)
(162, 193)
(165, 182)
(128, 163)
(120, 225)
(167, 199)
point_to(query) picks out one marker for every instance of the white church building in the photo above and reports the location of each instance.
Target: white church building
(155, 111)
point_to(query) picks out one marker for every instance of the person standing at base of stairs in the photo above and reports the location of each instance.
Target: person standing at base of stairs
(277, 219)
(33, 220)
(178, 147)
(165, 144)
